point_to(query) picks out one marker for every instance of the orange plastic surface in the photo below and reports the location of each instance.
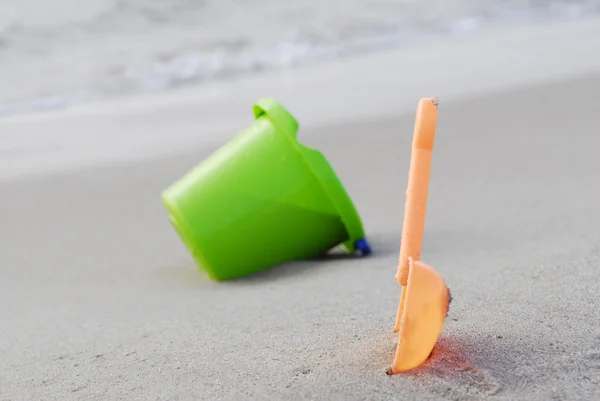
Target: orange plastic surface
(418, 186)
(424, 301)
(425, 309)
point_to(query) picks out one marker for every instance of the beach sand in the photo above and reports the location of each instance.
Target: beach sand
(99, 299)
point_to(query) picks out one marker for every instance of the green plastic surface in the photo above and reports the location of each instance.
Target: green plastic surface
(260, 200)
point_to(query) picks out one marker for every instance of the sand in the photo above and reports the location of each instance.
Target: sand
(99, 299)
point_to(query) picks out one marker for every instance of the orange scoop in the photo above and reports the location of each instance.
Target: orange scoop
(425, 297)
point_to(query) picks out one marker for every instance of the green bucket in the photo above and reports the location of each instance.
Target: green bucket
(262, 199)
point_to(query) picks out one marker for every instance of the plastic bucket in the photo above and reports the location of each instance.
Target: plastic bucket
(262, 199)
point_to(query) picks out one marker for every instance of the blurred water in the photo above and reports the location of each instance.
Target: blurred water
(57, 52)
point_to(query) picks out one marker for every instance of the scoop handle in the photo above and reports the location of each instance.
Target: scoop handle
(418, 186)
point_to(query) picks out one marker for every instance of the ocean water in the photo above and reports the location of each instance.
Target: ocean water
(54, 53)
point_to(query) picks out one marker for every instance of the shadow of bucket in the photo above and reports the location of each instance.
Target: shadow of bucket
(262, 199)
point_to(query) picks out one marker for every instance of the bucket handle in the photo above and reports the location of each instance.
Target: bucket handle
(277, 114)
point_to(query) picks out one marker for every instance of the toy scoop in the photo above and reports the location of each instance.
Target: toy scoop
(425, 297)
